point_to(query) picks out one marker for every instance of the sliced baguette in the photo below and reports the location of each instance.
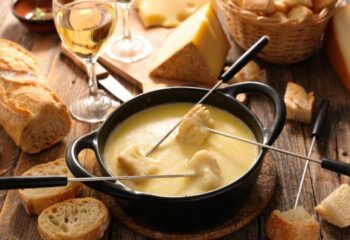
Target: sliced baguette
(74, 219)
(292, 225)
(37, 199)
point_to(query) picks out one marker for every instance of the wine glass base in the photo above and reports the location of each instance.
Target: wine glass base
(128, 50)
(93, 108)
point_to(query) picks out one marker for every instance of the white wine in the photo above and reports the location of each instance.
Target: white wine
(85, 26)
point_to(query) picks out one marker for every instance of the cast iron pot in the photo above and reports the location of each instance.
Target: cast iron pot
(190, 212)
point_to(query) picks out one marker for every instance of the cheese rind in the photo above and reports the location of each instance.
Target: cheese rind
(166, 13)
(337, 45)
(195, 51)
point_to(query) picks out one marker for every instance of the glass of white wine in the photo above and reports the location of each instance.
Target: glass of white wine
(85, 26)
(129, 47)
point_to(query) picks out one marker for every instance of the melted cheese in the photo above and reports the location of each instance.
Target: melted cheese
(145, 128)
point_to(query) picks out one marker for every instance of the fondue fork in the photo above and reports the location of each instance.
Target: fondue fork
(22, 182)
(225, 77)
(329, 164)
(318, 125)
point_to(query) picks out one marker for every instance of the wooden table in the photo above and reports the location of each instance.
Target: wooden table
(314, 74)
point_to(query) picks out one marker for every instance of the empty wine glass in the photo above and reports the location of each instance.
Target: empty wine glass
(85, 27)
(128, 47)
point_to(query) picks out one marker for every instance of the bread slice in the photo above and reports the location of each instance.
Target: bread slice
(336, 207)
(299, 103)
(74, 219)
(37, 199)
(292, 225)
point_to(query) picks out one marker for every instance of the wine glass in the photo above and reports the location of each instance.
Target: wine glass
(129, 47)
(85, 27)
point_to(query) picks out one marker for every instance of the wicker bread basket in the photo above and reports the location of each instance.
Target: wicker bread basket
(291, 40)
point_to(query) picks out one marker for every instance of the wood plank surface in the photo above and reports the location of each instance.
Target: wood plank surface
(314, 74)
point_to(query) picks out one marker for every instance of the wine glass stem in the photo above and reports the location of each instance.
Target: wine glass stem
(92, 75)
(125, 7)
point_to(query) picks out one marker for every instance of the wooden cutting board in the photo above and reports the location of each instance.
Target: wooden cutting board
(138, 72)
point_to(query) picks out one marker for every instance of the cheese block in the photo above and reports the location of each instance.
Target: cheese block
(195, 51)
(337, 45)
(166, 13)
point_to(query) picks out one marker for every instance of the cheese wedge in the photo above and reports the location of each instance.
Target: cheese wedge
(337, 43)
(166, 13)
(195, 51)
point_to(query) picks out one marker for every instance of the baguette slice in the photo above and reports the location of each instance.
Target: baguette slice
(336, 207)
(292, 225)
(74, 219)
(37, 199)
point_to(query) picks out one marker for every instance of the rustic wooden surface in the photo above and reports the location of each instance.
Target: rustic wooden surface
(314, 74)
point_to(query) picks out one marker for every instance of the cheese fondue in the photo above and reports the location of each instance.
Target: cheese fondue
(145, 128)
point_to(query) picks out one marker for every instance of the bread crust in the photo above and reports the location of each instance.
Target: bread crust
(279, 227)
(92, 232)
(36, 200)
(335, 208)
(30, 112)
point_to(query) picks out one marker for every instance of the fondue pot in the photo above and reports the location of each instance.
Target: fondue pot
(187, 212)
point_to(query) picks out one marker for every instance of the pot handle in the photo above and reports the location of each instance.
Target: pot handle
(89, 141)
(73, 150)
(271, 132)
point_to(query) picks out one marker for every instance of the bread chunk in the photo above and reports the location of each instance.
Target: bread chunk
(134, 162)
(250, 72)
(263, 6)
(292, 225)
(299, 13)
(279, 16)
(299, 103)
(75, 219)
(30, 112)
(336, 207)
(321, 4)
(192, 128)
(37, 199)
(206, 166)
(280, 6)
(293, 3)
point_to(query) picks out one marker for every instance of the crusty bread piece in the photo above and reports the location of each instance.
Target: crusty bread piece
(299, 13)
(321, 4)
(293, 3)
(134, 162)
(74, 219)
(279, 16)
(192, 129)
(30, 112)
(37, 199)
(250, 72)
(299, 103)
(261, 6)
(205, 165)
(280, 6)
(336, 207)
(292, 225)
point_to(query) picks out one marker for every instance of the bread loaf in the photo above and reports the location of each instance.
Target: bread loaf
(37, 199)
(75, 219)
(30, 112)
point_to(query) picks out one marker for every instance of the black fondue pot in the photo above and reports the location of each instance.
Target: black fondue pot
(188, 211)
